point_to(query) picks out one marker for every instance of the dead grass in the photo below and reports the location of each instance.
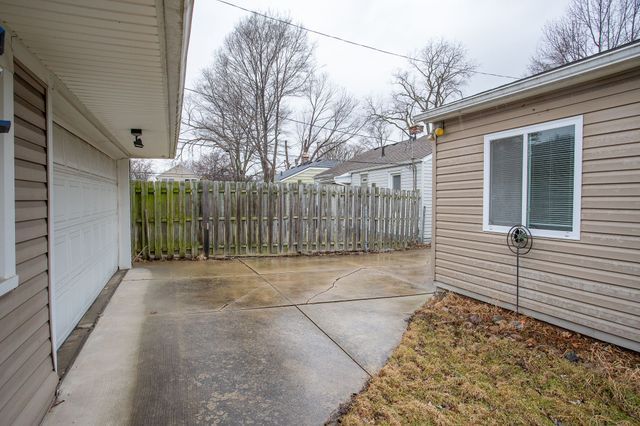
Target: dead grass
(466, 362)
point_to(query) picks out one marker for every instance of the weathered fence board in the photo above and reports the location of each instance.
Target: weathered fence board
(189, 219)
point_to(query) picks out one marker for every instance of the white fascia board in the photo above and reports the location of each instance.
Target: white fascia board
(174, 18)
(8, 278)
(598, 66)
(389, 165)
(343, 179)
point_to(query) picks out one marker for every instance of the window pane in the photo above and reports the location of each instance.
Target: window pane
(396, 182)
(505, 180)
(551, 179)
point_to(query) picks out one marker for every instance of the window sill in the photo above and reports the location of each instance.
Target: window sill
(8, 284)
(538, 233)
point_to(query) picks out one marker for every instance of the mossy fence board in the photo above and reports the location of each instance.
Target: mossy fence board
(188, 219)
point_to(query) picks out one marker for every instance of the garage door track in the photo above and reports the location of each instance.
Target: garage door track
(260, 340)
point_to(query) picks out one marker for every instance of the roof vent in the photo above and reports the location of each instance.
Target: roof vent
(383, 146)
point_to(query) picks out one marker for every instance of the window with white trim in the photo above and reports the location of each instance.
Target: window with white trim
(396, 181)
(532, 176)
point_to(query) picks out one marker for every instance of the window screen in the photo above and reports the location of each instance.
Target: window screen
(397, 183)
(505, 206)
(551, 165)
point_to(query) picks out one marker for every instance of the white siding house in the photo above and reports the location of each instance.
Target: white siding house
(404, 165)
(178, 173)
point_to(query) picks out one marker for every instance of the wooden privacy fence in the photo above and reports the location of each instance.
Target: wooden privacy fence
(188, 219)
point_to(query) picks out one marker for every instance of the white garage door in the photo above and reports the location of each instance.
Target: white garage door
(85, 227)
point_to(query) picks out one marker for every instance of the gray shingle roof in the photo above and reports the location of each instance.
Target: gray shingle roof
(397, 153)
(327, 164)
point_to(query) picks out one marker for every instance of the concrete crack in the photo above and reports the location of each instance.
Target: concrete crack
(240, 298)
(308, 317)
(333, 285)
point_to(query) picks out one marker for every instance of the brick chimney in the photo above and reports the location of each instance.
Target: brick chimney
(305, 157)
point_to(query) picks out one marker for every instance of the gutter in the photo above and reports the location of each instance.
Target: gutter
(343, 179)
(603, 64)
(390, 165)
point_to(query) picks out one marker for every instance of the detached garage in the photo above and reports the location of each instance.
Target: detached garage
(558, 153)
(75, 79)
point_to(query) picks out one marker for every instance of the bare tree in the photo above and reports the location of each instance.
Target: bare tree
(140, 169)
(348, 151)
(213, 165)
(268, 61)
(587, 28)
(216, 116)
(329, 120)
(382, 120)
(436, 75)
(241, 99)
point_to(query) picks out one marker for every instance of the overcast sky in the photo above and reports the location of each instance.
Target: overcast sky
(500, 35)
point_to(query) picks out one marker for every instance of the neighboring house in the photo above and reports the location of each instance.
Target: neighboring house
(306, 172)
(404, 165)
(560, 153)
(75, 79)
(178, 173)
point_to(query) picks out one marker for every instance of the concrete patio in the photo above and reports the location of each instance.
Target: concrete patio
(256, 340)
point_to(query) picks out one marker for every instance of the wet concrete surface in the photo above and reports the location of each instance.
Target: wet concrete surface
(265, 341)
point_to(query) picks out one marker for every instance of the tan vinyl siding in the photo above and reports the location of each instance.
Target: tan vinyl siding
(27, 378)
(591, 285)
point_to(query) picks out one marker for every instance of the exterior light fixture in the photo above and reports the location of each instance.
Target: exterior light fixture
(436, 129)
(137, 142)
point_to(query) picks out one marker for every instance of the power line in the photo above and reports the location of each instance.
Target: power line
(409, 162)
(353, 43)
(309, 124)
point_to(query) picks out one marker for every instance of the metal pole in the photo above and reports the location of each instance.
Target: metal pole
(424, 214)
(518, 281)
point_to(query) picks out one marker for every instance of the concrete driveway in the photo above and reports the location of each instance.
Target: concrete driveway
(260, 340)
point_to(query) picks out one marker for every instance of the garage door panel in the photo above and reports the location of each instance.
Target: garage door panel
(85, 224)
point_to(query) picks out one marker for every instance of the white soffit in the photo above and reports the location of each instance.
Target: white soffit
(123, 60)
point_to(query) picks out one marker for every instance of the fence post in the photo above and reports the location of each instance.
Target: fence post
(134, 218)
(205, 219)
